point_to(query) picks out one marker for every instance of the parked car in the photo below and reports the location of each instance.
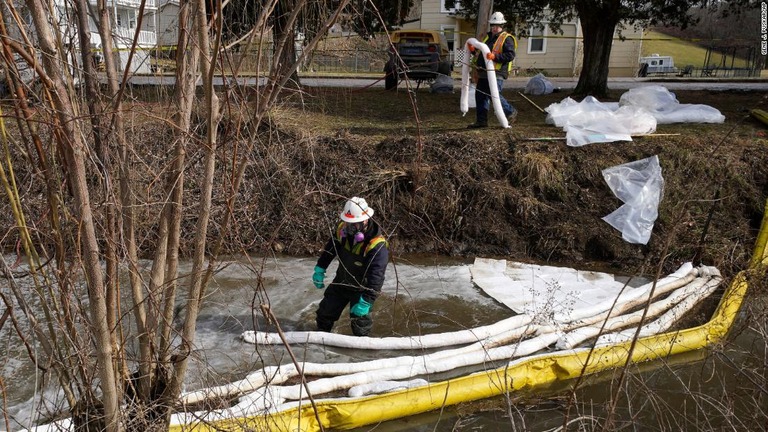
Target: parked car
(420, 55)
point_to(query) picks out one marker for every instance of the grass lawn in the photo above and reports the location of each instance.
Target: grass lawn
(684, 52)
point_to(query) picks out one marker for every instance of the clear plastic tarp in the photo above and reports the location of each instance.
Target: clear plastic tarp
(640, 186)
(591, 121)
(638, 112)
(663, 105)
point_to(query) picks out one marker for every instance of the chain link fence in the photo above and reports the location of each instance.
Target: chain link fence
(346, 61)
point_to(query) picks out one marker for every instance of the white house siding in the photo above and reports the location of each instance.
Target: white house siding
(168, 24)
(625, 55)
(124, 16)
(557, 59)
(432, 17)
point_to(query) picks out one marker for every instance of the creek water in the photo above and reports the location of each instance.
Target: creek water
(422, 295)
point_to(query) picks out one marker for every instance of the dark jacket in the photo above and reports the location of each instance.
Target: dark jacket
(361, 265)
(503, 60)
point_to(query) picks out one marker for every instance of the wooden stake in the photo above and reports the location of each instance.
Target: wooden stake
(562, 138)
(532, 102)
(544, 139)
(654, 135)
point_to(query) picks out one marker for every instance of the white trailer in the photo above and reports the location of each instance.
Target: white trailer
(658, 64)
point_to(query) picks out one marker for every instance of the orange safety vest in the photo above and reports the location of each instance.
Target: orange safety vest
(357, 249)
(498, 47)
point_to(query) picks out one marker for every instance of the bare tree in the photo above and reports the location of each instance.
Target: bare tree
(82, 159)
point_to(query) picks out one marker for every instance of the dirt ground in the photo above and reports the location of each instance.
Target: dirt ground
(438, 188)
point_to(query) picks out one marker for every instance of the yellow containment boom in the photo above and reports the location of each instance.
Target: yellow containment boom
(525, 373)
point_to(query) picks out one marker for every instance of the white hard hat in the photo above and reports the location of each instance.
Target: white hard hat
(497, 18)
(356, 210)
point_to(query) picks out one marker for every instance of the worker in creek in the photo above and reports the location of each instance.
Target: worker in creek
(502, 47)
(363, 254)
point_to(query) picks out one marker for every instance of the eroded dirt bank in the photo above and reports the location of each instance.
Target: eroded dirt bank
(476, 195)
(439, 189)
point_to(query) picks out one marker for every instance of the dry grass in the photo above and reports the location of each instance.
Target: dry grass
(540, 171)
(378, 113)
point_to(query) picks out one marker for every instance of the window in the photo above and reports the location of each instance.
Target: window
(537, 43)
(132, 19)
(444, 9)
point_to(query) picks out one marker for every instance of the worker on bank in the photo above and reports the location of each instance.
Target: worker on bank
(363, 254)
(502, 46)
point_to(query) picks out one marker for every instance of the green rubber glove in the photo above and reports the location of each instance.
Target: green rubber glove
(318, 277)
(361, 308)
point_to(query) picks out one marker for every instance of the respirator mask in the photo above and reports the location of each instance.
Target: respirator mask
(355, 230)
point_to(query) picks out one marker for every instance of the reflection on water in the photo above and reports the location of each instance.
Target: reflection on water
(421, 295)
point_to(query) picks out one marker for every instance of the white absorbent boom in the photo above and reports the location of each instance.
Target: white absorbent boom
(495, 100)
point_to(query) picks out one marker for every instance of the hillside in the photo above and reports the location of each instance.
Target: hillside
(687, 48)
(682, 51)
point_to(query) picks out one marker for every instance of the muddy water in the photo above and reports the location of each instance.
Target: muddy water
(422, 295)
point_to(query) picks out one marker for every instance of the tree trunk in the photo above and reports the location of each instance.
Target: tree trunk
(598, 25)
(186, 76)
(125, 200)
(103, 157)
(151, 394)
(207, 63)
(483, 16)
(285, 37)
(75, 152)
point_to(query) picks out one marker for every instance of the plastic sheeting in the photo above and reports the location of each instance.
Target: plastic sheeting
(640, 186)
(663, 105)
(539, 85)
(560, 113)
(638, 112)
(591, 121)
(558, 295)
(442, 84)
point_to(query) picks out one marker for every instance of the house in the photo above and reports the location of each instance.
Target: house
(557, 54)
(124, 16)
(125, 19)
(167, 24)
